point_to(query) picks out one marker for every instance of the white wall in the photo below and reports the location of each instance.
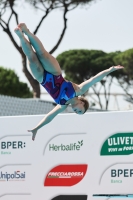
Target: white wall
(88, 135)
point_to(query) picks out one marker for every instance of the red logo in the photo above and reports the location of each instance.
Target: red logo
(65, 175)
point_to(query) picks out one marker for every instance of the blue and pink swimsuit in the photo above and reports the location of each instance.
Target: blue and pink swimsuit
(59, 89)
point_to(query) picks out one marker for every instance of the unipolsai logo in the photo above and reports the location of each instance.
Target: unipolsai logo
(14, 176)
(66, 147)
(7, 147)
(65, 175)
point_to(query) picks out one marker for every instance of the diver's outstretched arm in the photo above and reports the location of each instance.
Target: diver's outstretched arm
(48, 118)
(87, 84)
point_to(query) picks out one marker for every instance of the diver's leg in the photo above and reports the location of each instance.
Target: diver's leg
(49, 63)
(35, 65)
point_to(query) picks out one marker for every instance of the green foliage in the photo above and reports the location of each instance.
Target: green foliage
(81, 2)
(80, 65)
(126, 80)
(11, 86)
(58, 2)
(126, 59)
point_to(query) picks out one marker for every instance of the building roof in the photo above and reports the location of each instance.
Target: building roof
(14, 106)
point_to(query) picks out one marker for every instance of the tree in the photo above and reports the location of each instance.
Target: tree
(126, 80)
(11, 86)
(46, 6)
(80, 65)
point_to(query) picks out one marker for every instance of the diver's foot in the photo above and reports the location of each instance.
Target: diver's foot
(23, 27)
(18, 31)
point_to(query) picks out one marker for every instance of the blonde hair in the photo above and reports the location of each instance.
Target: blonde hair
(86, 103)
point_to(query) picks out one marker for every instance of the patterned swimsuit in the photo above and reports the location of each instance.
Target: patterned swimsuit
(59, 89)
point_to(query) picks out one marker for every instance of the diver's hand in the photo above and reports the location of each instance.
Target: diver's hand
(114, 68)
(34, 132)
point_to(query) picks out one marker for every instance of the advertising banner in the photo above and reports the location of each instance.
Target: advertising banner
(73, 157)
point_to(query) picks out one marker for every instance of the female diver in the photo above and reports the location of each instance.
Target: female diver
(47, 72)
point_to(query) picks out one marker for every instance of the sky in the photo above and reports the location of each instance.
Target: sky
(104, 25)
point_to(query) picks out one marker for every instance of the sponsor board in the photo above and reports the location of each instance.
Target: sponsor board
(118, 144)
(65, 175)
(12, 176)
(76, 146)
(15, 179)
(65, 143)
(118, 174)
(107, 175)
(8, 147)
(70, 197)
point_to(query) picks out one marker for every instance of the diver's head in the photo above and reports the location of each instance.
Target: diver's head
(81, 106)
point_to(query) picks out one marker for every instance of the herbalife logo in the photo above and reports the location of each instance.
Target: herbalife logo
(68, 147)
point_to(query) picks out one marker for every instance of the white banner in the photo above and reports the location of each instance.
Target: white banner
(72, 158)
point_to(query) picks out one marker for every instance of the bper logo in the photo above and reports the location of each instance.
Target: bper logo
(65, 175)
(68, 147)
(8, 146)
(13, 145)
(70, 197)
(122, 173)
